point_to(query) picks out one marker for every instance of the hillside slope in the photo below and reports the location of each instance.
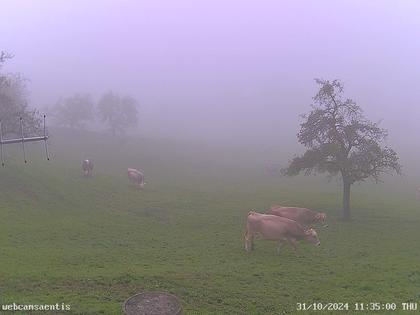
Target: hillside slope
(93, 242)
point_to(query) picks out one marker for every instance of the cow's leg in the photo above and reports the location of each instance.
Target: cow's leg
(292, 243)
(252, 241)
(249, 241)
(246, 241)
(280, 245)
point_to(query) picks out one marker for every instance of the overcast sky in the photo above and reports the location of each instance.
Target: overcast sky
(234, 69)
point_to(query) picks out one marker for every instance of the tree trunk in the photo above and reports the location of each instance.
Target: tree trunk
(346, 200)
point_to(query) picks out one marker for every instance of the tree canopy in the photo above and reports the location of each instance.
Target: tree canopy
(74, 111)
(119, 113)
(13, 103)
(341, 141)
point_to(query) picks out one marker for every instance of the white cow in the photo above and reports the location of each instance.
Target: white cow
(87, 166)
(275, 228)
(136, 177)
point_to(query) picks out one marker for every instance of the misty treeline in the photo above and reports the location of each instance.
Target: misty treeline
(115, 112)
(13, 103)
(341, 141)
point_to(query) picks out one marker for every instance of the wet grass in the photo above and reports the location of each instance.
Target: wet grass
(93, 242)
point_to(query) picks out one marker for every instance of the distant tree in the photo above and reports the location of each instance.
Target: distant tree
(119, 113)
(341, 141)
(13, 103)
(74, 111)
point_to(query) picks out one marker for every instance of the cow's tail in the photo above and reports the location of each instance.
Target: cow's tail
(246, 241)
(248, 237)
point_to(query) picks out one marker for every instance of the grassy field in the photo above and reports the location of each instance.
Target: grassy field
(93, 242)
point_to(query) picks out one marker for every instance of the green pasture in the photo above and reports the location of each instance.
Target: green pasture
(93, 242)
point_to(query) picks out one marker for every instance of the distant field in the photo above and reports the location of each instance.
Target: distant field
(93, 242)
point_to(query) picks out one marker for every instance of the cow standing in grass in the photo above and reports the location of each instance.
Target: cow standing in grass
(304, 216)
(136, 177)
(275, 228)
(87, 166)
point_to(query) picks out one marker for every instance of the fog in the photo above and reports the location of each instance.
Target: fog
(220, 87)
(223, 70)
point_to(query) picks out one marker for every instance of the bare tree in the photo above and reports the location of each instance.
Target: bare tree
(74, 111)
(119, 113)
(341, 141)
(13, 103)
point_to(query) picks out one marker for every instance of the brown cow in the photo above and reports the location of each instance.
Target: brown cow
(304, 216)
(275, 228)
(87, 166)
(136, 177)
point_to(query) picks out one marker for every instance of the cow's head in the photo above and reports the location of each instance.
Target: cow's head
(312, 237)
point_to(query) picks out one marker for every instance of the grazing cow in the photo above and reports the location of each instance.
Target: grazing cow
(305, 217)
(87, 166)
(136, 177)
(275, 228)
